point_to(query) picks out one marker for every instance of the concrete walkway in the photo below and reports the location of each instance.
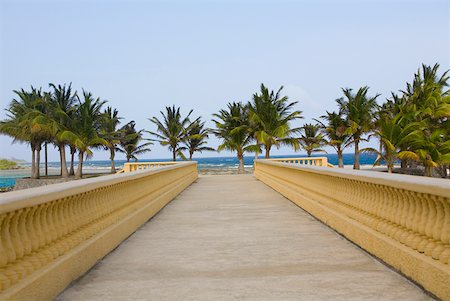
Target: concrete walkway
(234, 238)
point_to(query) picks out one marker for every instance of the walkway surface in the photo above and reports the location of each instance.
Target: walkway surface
(234, 238)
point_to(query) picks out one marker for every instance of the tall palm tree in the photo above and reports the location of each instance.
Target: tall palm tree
(196, 139)
(108, 130)
(63, 107)
(129, 142)
(358, 109)
(425, 96)
(427, 99)
(393, 133)
(429, 147)
(232, 127)
(394, 106)
(334, 128)
(311, 138)
(27, 123)
(270, 117)
(172, 130)
(87, 126)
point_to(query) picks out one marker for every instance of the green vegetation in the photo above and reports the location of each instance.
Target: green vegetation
(270, 116)
(129, 142)
(359, 111)
(174, 130)
(7, 164)
(196, 139)
(412, 127)
(334, 130)
(311, 138)
(232, 127)
(60, 117)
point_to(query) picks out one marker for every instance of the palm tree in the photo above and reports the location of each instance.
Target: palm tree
(393, 133)
(429, 147)
(108, 131)
(63, 107)
(129, 142)
(173, 130)
(334, 128)
(425, 96)
(195, 141)
(311, 138)
(359, 110)
(87, 125)
(427, 99)
(232, 127)
(270, 116)
(27, 123)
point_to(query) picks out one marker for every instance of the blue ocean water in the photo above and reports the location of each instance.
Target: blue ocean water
(7, 180)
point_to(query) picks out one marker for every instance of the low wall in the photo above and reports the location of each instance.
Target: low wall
(52, 235)
(403, 220)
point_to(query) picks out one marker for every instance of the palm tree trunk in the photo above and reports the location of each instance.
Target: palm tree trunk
(390, 167)
(308, 152)
(79, 172)
(73, 150)
(428, 171)
(241, 169)
(112, 154)
(46, 159)
(403, 165)
(174, 155)
(33, 161)
(38, 162)
(267, 147)
(62, 154)
(190, 155)
(340, 159)
(356, 158)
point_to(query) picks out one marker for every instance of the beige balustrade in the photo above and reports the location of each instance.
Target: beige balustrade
(134, 166)
(51, 235)
(403, 220)
(315, 161)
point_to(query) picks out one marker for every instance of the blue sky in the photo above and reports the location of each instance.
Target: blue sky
(143, 55)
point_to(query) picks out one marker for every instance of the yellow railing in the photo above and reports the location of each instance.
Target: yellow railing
(315, 161)
(135, 166)
(403, 220)
(51, 235)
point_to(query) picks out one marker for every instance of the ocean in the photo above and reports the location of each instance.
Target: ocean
(8, 179)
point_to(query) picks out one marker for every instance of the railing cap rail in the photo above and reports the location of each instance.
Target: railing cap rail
(434, 186)
(295, 158)
(15, 200)
(156, 163)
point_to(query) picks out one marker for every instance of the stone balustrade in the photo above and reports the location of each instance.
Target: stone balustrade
(403, 220)
(135, 166)
(52, 235)
(315, 161)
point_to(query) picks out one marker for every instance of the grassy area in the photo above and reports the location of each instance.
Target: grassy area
(7, 164)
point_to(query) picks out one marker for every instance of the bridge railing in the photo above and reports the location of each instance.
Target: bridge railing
(403, 220)
(314, 161)
(135, 166)
(51, 235)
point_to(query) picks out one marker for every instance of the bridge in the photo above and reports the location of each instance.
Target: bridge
(288, 232)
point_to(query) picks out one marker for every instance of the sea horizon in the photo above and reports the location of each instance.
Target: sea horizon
(8, 179)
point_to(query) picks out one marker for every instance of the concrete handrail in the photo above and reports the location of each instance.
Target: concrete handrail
(51, 235)
(403, 220)
(315, 161)
(134, 166)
